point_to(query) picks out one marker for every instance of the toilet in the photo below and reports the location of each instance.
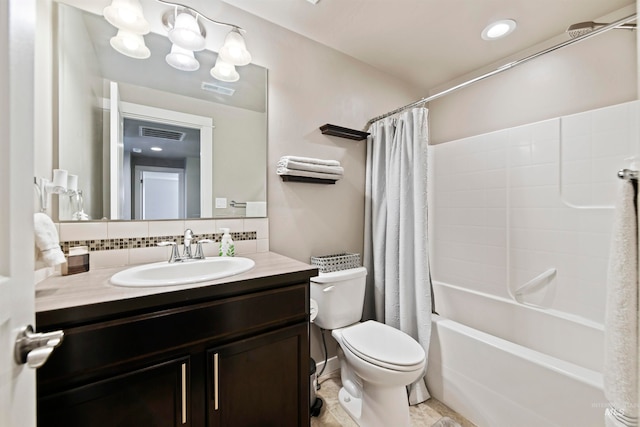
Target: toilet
(377, 361)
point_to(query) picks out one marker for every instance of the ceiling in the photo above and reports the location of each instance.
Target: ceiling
(425, 42)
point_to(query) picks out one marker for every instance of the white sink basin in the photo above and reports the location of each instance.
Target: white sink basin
(180, 273)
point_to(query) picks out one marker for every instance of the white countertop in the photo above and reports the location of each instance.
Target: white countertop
(93, 287)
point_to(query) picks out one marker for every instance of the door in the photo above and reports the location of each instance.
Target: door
(17, 382)
(261, 381)
(155, 396)
(159, 193)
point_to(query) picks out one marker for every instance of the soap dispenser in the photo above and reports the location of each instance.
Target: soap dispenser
(226, 244)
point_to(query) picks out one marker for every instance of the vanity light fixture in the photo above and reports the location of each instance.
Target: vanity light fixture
(130, 44)
(224, 71)
(186, 32)
(126, 15)
(184, 29)
(234, 51)
(182, 59)
(498, 29)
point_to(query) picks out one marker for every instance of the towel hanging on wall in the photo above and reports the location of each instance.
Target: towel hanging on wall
(621, 313)
(48, 252)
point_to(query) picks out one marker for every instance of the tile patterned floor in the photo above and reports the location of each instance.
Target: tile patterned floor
(427, 414)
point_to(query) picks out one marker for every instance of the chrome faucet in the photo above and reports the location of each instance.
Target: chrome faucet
(186, 250)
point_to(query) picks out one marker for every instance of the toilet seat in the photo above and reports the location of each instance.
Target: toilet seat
(384, 346)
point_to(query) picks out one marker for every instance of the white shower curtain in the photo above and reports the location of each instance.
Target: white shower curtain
(396, 245)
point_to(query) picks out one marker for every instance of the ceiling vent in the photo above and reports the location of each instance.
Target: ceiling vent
(212, 87)
(172, 135)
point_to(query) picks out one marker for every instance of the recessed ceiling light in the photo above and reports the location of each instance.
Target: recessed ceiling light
(156, 149)
(498, 29)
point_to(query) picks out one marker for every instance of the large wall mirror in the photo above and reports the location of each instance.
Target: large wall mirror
(148, 141)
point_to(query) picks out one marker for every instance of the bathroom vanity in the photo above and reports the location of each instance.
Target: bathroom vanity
(230, 352)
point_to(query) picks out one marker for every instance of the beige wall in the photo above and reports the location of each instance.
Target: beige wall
(594, 73)
(310, 85)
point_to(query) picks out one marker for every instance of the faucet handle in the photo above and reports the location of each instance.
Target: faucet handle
(199, 253)
(175, 256)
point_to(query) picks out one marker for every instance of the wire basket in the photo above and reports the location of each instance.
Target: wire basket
(336, 262)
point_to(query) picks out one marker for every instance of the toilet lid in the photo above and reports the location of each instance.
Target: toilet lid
(384, 346)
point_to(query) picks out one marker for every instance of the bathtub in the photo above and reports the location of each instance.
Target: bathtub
(504, 364)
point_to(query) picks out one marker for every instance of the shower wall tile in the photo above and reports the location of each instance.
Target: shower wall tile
(509, 205)
(602, 139)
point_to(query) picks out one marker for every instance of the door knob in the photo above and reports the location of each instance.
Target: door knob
(35, 348)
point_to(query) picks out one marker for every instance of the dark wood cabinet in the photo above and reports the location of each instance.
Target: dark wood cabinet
(152, 396)
(239, 360)
(257, 382)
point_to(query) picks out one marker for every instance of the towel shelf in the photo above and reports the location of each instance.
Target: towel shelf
(294, 178)
(343, 132)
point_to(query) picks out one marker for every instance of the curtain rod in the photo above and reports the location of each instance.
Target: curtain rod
(506, 67)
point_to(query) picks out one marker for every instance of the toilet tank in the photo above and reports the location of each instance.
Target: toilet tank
(340, 297)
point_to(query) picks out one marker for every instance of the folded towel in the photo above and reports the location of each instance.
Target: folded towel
(621, 312)
(47, 242)
(310, 167)
(294, 172)
(310, 160)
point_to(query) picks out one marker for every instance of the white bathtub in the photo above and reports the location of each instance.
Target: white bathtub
(503, 364)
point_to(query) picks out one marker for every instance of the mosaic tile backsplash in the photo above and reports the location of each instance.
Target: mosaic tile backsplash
(147, 242)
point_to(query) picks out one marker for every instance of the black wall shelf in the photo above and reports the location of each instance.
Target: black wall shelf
(342, 132)
(295, 178)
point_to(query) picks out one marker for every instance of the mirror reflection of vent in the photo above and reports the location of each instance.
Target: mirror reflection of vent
(161, 133)
(212, 87)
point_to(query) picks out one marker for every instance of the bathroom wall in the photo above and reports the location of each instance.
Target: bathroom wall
(309, 85)
(591, 74)
(79, 112)
(512, 204)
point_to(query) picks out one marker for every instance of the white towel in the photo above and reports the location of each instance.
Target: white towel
(47, 242)
(310, 167)
(621, 313)
(311, 160)
(256, 209)
(614, 419)
(293, 172)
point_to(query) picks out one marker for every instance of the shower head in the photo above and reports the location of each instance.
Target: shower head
(582, 28)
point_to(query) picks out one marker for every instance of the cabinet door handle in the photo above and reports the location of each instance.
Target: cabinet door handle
(215, 381)
(184, 393)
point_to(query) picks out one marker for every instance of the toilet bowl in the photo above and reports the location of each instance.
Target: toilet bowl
(377, 361)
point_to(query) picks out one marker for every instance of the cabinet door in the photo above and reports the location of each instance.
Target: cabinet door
(153, 396)
(261, 381)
